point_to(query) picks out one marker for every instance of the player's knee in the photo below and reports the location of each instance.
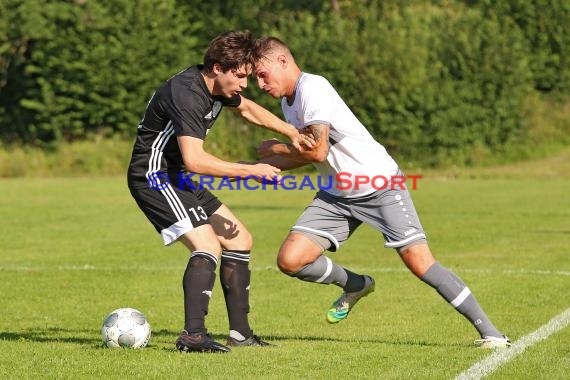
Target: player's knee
(287, 263)
(245, 240)
(242, 241)
(211, 246)
(418, 258)
(290, 262)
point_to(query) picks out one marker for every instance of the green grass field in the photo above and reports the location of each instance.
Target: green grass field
(72, 250)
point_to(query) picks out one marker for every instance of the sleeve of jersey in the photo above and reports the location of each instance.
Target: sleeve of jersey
(317, 103)
(186, 109)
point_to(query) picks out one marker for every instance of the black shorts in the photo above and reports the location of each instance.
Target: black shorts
(173, 210)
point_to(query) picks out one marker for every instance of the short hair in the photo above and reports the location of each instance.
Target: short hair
(230, 50)
(266, 45)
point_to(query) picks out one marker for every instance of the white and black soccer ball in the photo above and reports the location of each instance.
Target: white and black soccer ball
(125, 327)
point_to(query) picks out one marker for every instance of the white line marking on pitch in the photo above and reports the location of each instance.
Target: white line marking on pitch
(402, 269)
(486, 366)
(474, 270)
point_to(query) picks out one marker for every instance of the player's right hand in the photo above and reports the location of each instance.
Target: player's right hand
(265, 172)
(302, 141)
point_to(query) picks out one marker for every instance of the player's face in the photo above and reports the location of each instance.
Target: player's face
(232, 82)
(268, 74)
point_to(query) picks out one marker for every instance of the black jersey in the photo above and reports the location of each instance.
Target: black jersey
(182, 106)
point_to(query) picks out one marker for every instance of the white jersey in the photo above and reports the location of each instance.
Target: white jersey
(352, 152)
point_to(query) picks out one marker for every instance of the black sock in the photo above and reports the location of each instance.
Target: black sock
(197, 283)
(354, 282)
(235, 277)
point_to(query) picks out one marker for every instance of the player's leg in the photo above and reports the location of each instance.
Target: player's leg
(235, 275)
(198, 282)
(178, 216)
(199, 276)
(419, 259)
(400, 224)
(301, 256)
(324, 225)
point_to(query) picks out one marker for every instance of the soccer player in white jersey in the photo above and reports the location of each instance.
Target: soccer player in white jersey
(344, 149)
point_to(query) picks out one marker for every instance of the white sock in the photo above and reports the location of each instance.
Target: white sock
(236, 335)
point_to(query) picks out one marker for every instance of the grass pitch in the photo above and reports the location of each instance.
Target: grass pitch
(72, 250)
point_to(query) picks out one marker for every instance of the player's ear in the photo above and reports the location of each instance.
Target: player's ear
(282, 60)
(217, 69)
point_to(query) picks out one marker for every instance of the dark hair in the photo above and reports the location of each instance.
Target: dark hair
(265, 45)
(230, 50)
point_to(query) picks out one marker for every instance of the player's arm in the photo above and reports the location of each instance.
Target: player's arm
(281, 162)
(317, 153)
(256, 114)
(197, 160)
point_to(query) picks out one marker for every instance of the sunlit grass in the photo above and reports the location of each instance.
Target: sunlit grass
(71, 250)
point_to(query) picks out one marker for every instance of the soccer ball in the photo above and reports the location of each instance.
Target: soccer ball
(125, 327)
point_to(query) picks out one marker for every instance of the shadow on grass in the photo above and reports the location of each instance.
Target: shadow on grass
(53, 335)
(166, 337)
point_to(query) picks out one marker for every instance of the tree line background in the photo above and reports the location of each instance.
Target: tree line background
(436, 82)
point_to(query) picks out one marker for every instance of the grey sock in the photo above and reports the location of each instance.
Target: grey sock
(454, 291)
(323, 271)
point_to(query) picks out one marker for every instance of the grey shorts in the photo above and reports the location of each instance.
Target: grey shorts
(331, 220)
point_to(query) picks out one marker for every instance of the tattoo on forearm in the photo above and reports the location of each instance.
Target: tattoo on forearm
(314, 130)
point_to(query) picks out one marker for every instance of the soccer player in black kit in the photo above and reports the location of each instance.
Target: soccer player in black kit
(169, 142)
